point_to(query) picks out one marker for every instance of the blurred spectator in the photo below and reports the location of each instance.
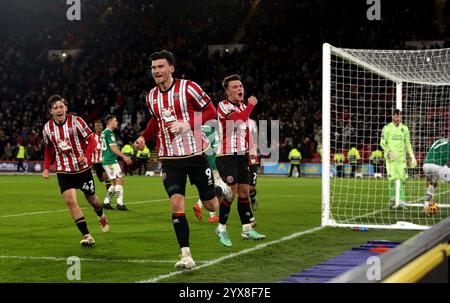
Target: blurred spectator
(142, 157)
(281, 67)
(20, 157)
(295, 157)
(128, 151)
(8, 152)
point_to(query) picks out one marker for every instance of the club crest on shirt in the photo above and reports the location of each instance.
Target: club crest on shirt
(176, 96)
(70, 130)
(230, 108)
(65, 146)
(168, 115)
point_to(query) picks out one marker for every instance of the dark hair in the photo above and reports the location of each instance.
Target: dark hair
(228, 79)
(98, 121)
(53, 99)
(164, 54)
(396, 112)
(109, 117)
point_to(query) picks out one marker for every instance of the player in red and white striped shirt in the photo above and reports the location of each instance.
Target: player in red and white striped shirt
(97, 157)
(232, 157)
(179, 108)
(176, 108)
(68, 140)
(97, 154)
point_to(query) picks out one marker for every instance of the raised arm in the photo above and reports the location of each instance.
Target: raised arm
(243, 116)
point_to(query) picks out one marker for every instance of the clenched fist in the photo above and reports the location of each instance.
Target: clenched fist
(139, 144)
(252, 100)
(179, 127)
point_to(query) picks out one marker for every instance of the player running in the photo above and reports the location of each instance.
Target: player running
(69, 140)
(232, 157)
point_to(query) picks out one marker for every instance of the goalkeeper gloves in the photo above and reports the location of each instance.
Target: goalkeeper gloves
(413, 161)
(392, 156)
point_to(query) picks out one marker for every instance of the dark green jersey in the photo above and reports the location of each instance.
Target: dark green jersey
(439, 153)
(108, 138)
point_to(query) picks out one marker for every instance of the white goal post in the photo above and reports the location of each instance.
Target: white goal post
(360, 90)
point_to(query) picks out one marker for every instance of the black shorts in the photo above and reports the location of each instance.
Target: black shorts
(99, 170)
(174, 172)
(233, 168)
(252, 174)
(81, 180)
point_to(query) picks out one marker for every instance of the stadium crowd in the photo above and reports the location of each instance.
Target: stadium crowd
(280, 63)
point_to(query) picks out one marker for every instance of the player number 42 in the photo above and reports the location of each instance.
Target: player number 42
(89, 186)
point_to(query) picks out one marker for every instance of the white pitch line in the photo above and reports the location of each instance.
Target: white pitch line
(65, 209)
(92, 260)
(260, 246)
(242, 252)
(34, 213)
(158, 200)
(380, 210)
(131, 203)
(290, 196)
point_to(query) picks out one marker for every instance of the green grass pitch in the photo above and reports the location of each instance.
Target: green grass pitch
(38, 235)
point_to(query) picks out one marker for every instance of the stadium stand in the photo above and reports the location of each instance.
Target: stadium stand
(103, 68)
(115, 38)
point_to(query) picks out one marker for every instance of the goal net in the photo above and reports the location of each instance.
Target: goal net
(361, 89)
